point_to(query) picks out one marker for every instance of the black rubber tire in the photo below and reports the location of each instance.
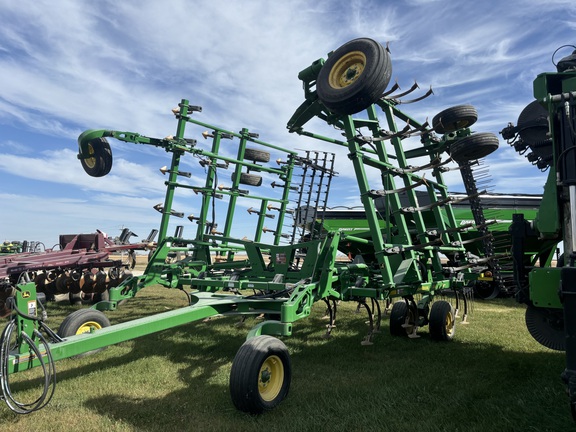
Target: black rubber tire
(100, 161)
(454, 118)
(250, 179)
(473, 147)
(254, 358)
(256, 155)
(486, 290)
(345, 90)
(533, 125)
(81, 321)
(442, 324)
(398, 316)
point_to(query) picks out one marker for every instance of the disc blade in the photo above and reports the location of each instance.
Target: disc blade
(547, 327)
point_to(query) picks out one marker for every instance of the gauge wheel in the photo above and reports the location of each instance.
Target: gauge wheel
(354, 76)
(260, 375)
(256, 155)
(454, 118)
(473, 147)
(442, 324)
(83, 321)
(99, 160)
(250, 179)
(400, 315)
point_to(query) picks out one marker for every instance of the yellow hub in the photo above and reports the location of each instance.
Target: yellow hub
(347, 70)
(449, 325)
(271, 378)
(87, 327)
(91, 161)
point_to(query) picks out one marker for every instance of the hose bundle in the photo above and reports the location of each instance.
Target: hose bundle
(47, 365)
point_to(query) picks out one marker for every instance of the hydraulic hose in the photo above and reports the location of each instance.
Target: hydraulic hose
(48, 367)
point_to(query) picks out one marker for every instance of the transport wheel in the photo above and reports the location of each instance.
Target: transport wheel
(83, 321)
(400, 315)
(473, 147)
(260, 375)
(100, 161)
(256, 155)
(354, 76)
(250, 179)
(442, 325)
(454, 118)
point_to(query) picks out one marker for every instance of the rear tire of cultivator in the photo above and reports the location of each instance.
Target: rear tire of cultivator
(473, 147)
(354, 76)
(256, 155)
(100, 161)
(398, 315)
(250, 179)
(442, 324)
(454, 118)
(261, 374)
(83, 321)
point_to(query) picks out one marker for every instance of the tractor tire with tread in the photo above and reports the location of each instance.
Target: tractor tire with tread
(83, 321)
(354, 76)
(256, 155)
(400, 311)
(250, 179)
(454, 118)
(100, 161)
(260, 375)
(442, 324)
(473, 147)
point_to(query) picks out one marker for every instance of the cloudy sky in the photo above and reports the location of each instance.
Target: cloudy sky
(68, 66)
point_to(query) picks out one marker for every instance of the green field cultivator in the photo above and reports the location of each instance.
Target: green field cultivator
(546, 134)
(281, 265)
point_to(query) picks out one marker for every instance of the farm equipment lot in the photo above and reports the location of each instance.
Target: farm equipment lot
(494, 377)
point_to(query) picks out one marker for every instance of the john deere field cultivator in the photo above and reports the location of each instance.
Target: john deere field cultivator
(280, 265)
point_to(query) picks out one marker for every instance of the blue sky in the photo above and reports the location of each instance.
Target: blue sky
(67, 66)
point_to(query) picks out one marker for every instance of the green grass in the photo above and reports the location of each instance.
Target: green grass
(493, 376)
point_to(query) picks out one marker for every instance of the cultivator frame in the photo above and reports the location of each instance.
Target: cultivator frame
(282, 279)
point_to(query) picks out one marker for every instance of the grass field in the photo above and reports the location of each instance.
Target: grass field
(493, 376)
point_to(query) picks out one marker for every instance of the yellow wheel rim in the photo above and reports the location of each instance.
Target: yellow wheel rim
(87, 327)
(347, 70)
(91, 161)
(449, 323)
(270, 378)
